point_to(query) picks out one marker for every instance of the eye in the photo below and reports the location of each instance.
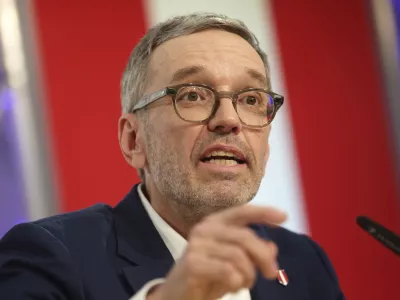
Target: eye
(250, 100)
(191, 96)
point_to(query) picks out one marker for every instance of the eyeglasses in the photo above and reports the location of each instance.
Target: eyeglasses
(198, 103)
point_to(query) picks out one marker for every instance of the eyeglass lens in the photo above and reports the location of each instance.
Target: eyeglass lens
(196, 103)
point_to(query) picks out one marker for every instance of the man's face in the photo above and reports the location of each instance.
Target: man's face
(176, 150)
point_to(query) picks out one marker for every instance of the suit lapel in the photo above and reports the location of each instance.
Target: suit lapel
(145, 256)
(272, 289)
(139, 243)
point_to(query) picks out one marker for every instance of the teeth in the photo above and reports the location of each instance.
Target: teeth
(230, 162)
(226, 162)
(221, 153)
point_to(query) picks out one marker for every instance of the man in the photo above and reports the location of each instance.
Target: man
(197, 112)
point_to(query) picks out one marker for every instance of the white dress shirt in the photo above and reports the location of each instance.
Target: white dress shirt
(176, 245)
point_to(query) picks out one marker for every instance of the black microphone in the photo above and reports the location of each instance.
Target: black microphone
(380, 233)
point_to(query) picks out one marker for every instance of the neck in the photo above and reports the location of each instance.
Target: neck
(180, 219)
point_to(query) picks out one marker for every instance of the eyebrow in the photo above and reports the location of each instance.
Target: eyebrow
(183, 73)
(258, 77)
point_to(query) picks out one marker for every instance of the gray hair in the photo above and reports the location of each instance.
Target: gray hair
(135, 75)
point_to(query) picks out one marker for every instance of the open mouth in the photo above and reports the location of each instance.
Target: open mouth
(222, 158)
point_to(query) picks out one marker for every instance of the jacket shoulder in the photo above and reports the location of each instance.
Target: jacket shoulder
(69, 228)
(295, 245)
(46, 257)
(93, 220)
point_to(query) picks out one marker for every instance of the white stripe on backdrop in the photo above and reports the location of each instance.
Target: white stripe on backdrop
(281, 187)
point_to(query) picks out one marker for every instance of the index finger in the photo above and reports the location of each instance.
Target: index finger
(247, 214)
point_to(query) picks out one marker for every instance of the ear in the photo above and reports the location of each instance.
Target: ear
(130, 140)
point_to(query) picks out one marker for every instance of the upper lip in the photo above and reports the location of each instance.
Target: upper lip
(226, 148)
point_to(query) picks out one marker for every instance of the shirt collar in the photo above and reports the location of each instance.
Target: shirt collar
(175, 243)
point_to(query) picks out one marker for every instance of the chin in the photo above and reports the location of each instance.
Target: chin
(226, 194)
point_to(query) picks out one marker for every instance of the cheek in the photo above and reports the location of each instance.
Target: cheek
(176, 136)
(260, 145)
(185, 137)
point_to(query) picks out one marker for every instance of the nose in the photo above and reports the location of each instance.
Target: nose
(225, 119)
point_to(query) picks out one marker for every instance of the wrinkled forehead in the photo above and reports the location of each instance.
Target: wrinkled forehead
(210, 56)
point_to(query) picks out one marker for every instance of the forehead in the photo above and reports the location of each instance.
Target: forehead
(213, 55)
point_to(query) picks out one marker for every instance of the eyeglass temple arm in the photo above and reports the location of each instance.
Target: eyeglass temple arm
(146, 100)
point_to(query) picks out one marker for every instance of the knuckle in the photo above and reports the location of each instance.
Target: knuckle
(251, 279)
(226, 269)
(246, 235)
(200, 229)
(192, 261)
(236, 281)
(251, 276)
(273, 248)
(236, 254)
(195, 244)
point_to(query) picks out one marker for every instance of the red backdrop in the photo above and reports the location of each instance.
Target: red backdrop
(85, 46)
(340, 124)
(337, 110)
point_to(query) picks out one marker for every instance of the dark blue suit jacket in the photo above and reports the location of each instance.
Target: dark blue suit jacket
(105, 253)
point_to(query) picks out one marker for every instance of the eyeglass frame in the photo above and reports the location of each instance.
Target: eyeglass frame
(173, 90)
